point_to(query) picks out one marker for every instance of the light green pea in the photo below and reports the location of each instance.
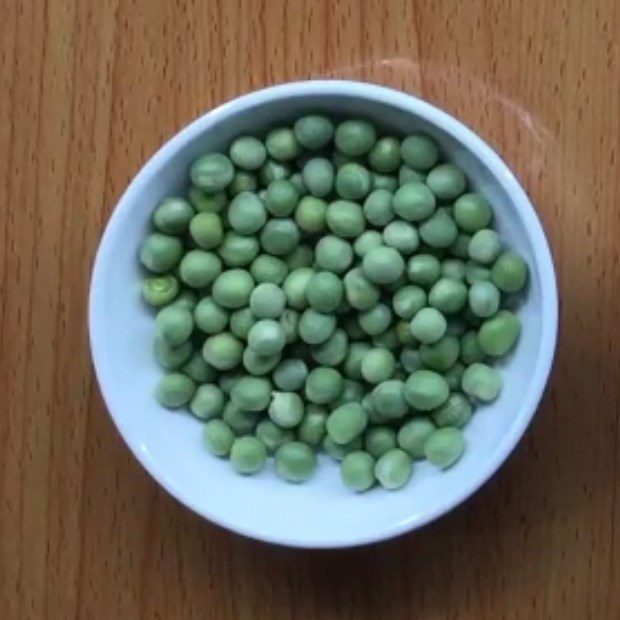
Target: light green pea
(196, 368)
(444, 447)
(476, 273)
(313, 131)
(378, 365)
(406, 174)
(248, 153)
(426, 390)
(212, 172)
(389, 398)
(410, 359)
(339, 451)
(246, 213)
(172, 216)
(316, 327)
(368, 240)
(456, 411)
(238, 250)
(208, 402)
(265, 268)
(323, 385)
(290, 375)
(272, 435)
(267, 301)
(470, 348)
(281, 198)
(170, 357)
(160, 253)
(209, 316)
(428, 325)
(333, 254)
(295, 287)
(446, 181)
(199, 268)
(207, 203)
(242, 182)
(509, 272)
(345, 219)
(383, 265)
(310, 214)
(441, 355)
(324, 291)
(206, 230)
(295, 462)
(160, 290)
(232, 288)
(280, 236)
(357, 471)
(241, 422)
(439, 231)
(472, 212)
(401, 236)
(346, 422)
(485, 246)
(376, 320)
(241, 321)
(286, 409)
(413, 434)
(266, 337)
(174, 325)
(385, 155)
(454, 376)
(388, 339)
(353, 362)
(384, 181)
(352, 392)
(218, 437)
(393, 469)
(272, 170)
(419, 151)
(222, 351)
(355, 137)
(360, 293)
(414, 202)
(447, 295)
(499, 334)
(423, 270)
(453, 268)
(282, 144)
(481, 382)
(259, 364)
(174, 390)
(408, 301)
(353, 182)
(290, 324)
(185, 299)
(378, 440)
(298, 182)
(248, 455)
(333, 351)
(378, 207)
(312, 428)
(318, 176)
(484, 299)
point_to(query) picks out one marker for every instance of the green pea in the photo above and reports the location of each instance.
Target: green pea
(385, 155)
(460, 246)
(441, 355)
(159, 291)
(280, 236)
(174, 325)
(212, 172)
(499, 334)
(238, 250)
(413, 202)
(339, 451)
(378, 440)
(352, 392)
(423, 270)
(472, 212)
(428, 325)
(209, 316)
(272, 170)
(248, 455)
(333, 254)
(226, 381)
(186, 299)
(401, 236)
(295, 462)
(312, 428)
(419, 151)
(376, 320)
(355, 137)
(259, 364)
(174, 390)
(410, 359)
(172, 216)
(509, 272)
(286, 409)
(357, 471)
(360, 293)
(324, 291)
(447, 295)
(310, 214)
(389, 398)
(406, 174)
(378, 207)
(388, 339)
(426, 390)
(207, 203)
(485, 246)
(413, 434)
(481, 382)
(384, 181)
(160, 253)
(403, 334)
(439, 231)
(290, 375)
(444, 447)
(470, 348)
(170, 357)
(393, 469)
(346, 422)
(301, 256)
(281, 198)
(316, 327)
(248, 153)
(446, 181)
(313, 131)
(353, 362)
(240, 422)
(378, 365)
(345, 219)
(246, 213)
(295, 287)
(282, 144)
(484, 299)
(456, 412)
(333, 351)
(323, 385)
(298, 182)
(196, 368)
(476, 273)
(208, 402)
(206, 230)
(367, 241)
(241, 322)
(408, 301)
(242, 182)
(268, 269)
(267, 301)
(218, 437)
(290, 324)
(222, 351)
(454, 376)
(199, 268)
(266, 337)
(272, 435)
(232, 288)
(453, 268)
(353, 182)
(383, 265)
(318, 176)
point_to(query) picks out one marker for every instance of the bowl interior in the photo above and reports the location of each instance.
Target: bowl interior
(321, 512)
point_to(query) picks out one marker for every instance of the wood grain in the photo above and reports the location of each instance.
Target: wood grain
(91, 89)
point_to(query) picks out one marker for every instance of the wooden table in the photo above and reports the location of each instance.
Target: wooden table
(89, 90)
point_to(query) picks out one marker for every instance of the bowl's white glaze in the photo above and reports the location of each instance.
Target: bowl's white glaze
(321, 513)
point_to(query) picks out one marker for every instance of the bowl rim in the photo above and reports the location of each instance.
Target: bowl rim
(462, 134)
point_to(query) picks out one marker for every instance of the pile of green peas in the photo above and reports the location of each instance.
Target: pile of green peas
(326, 288)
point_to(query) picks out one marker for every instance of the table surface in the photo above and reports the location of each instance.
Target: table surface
(89, 91)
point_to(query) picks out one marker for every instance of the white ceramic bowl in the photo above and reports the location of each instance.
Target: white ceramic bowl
(321, 513)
